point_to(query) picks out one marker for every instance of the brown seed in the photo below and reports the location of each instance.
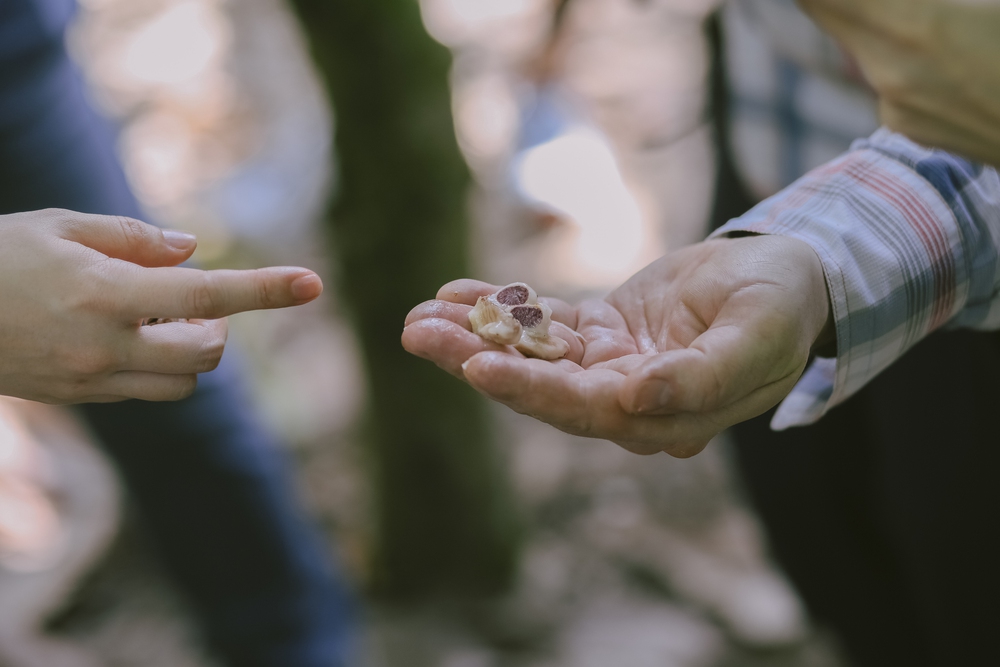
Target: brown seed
(513, 295)
(528, 316)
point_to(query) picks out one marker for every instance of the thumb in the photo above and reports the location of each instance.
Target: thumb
(128, 239)
(722, 366)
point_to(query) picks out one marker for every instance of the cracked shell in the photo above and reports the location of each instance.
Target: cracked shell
(513, 316)
(493, 322)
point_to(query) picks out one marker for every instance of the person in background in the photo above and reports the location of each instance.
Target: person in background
(210, 482)
(848, 501)
(932, 63)
(881, 512)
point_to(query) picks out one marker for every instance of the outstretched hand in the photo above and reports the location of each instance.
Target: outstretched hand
(701, 339)
(75, 289)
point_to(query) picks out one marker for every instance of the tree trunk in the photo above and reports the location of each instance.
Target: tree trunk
(446, 522)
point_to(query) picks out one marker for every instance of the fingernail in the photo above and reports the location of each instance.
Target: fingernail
(654, 396)
(307, 287)
(179, 240)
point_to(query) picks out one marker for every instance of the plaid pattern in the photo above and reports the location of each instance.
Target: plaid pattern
(909, 239)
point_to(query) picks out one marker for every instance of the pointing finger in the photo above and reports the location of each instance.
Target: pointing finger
(193, 294)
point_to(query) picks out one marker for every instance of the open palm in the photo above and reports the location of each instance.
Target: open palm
(701, 339)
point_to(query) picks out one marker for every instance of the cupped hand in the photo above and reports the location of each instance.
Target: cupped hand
(701, 339)
(75, 289)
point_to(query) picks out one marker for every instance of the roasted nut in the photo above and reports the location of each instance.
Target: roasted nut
(513, 316)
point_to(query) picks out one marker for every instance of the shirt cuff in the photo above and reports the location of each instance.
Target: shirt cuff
(891, 252)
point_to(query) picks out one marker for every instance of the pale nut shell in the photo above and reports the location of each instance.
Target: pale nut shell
(493, 322)
(546, 347)
(513, 316)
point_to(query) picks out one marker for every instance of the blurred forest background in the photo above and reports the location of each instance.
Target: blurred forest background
(564, 144)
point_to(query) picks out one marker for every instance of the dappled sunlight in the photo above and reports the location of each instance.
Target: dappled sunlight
(496, 25)
(486, 119)
(182, 43)
(576, 176)
(223, 133)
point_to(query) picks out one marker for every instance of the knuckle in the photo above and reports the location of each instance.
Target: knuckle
(264, 291)
(202, 299)
(90, 362)
(60, 216)
(71, 390)
(134, 232)
(67, 220)
(98, 293)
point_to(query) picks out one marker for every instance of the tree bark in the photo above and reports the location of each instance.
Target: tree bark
(446, 522)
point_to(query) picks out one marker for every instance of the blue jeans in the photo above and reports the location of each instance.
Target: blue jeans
(211, 484)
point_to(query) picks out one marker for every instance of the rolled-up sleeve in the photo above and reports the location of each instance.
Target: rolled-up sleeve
(909, 239)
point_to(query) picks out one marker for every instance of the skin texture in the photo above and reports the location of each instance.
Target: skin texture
(705, 337)
(74, 289)
(935, 65)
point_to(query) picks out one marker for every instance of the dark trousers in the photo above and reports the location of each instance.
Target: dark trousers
(885, 512)
(211, 484)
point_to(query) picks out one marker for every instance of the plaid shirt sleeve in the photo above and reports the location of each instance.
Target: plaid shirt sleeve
(909, 239)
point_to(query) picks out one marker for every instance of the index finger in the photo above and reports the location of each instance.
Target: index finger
(194, 294)
(465, 290)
